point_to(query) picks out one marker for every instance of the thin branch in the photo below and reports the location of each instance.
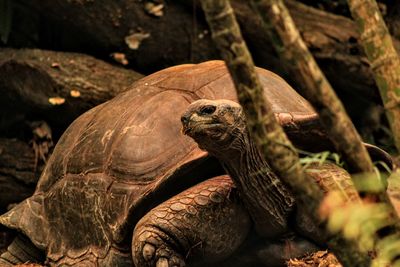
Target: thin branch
(316, 88)
(383, 58)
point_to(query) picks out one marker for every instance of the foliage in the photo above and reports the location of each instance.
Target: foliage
(308, 158)
(368, 223)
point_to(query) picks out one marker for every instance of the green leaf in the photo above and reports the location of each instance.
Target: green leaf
(308, 158)
(369, 182)
(5, 19)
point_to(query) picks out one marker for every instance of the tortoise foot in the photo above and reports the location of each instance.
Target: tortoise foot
(203, 224)
(153, 247)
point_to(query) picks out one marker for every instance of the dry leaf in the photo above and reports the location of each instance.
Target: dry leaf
(120, 57)
(75, 93)
(133, 41)
(317, 259)
(55, 65)
(154, 9)
(41, 130)
(56, 100)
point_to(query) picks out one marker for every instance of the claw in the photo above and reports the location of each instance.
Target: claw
(162, 262)
(148, 252)
(176, 262)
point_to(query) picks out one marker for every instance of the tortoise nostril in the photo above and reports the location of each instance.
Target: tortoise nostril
(185, 119)
(207, 110)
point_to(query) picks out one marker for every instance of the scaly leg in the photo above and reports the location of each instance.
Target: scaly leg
(203, 224)
(21, 250)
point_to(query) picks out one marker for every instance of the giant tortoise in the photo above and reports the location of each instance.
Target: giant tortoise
(124, 187)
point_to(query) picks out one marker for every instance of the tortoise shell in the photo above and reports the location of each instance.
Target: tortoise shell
(123, 157)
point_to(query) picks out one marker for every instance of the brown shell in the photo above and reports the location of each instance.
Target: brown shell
(117, 159)
(136, 136)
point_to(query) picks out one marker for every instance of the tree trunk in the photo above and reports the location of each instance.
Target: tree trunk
(53, 86)
(176, 35)
(18, 173)
(181, 35)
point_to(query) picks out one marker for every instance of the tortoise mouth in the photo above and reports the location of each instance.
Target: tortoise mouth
(201, 128)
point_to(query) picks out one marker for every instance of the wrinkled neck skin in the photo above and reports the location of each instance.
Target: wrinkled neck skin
(265, 197)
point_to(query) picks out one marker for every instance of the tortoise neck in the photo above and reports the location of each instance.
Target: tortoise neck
(268, 201)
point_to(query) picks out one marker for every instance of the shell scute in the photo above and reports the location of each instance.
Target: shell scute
(150, 142)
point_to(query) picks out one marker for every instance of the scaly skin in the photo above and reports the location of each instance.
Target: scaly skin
(205, 225)
(219, 127)
(20, 251)
(205, 222)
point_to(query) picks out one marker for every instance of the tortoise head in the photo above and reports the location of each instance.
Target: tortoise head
(216, 125)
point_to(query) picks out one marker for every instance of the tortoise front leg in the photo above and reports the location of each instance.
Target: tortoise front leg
(205, 223)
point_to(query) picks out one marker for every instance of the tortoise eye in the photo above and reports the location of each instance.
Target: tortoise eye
(207, 110)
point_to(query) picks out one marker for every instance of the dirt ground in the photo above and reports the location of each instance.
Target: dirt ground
(317, 259)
